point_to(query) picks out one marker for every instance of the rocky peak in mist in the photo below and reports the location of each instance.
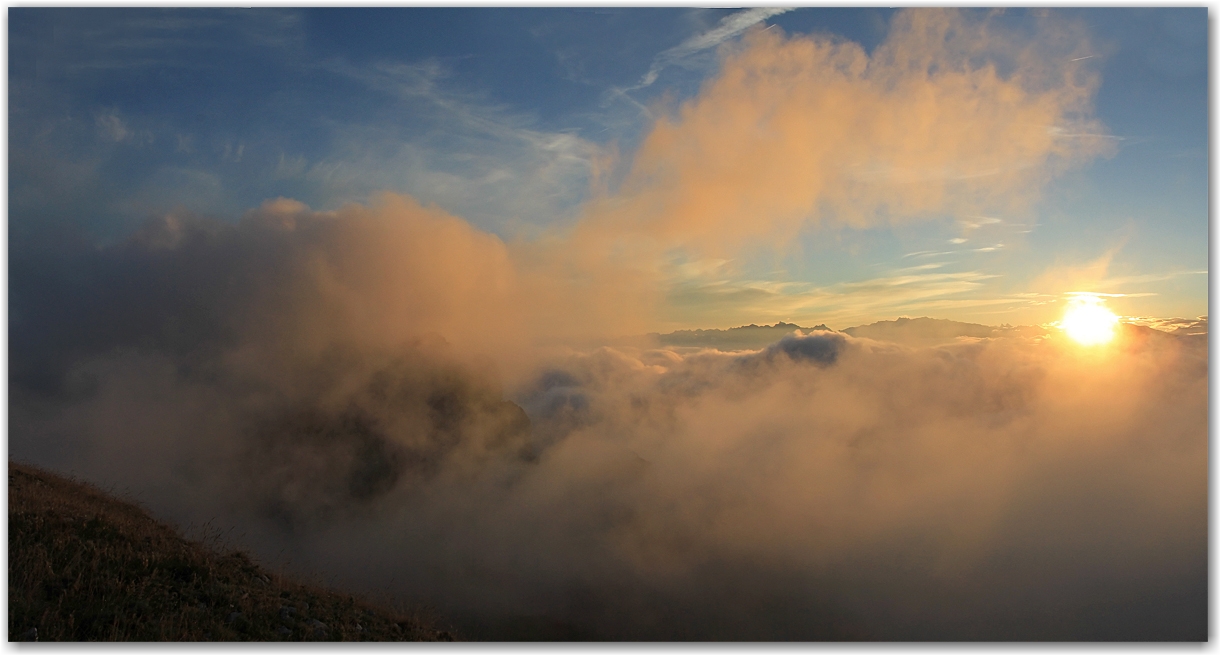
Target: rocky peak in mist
(340, 452)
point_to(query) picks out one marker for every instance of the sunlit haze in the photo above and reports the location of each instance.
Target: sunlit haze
(1088, 321)
(633, 323)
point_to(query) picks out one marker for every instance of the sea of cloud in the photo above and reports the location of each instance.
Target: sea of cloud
(286, 377)
(402, 404)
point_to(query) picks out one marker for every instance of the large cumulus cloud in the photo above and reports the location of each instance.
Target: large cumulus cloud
(301, 350)
(953, 113)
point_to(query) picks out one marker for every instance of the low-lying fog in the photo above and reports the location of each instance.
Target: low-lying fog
(284, 377)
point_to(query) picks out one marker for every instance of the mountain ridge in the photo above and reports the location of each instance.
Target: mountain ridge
(913, 331)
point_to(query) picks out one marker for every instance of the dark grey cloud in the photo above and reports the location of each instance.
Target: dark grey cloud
(820, 348)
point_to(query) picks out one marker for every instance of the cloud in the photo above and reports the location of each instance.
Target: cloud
(951, 461)
(1195, 326)
(336, 386)
(1063, 277)
(947, 116)
(493, 166)
(798, 133)
(113, 128)
(282, 282)
(410, 405)
(728, 27)
(824, 487)
(233, 154)
(97, 40)
(821, 348)
(1127, 281)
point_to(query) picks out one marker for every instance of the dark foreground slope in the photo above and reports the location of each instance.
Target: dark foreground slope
(84, 566)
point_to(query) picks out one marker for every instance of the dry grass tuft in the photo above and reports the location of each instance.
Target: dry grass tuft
(86, 567)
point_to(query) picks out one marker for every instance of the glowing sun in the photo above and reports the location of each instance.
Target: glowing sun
(1088, 321)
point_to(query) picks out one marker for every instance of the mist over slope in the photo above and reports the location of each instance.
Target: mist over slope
(826, 486)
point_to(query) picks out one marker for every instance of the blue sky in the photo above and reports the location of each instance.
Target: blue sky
(501, 117)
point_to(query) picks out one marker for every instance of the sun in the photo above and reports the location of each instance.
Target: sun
(1088, 322)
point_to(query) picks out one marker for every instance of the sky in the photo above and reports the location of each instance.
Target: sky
(520, 121)
(371, 292)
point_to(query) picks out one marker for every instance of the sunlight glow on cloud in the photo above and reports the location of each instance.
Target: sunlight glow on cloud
(777, 135)
(1087, 320)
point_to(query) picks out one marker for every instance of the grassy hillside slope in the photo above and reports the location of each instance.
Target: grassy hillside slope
(84, 566)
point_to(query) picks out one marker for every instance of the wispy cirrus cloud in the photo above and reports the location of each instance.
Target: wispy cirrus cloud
(729, 27)
(492, 163)
(1147, 278)
(482, 160)
(93, 41)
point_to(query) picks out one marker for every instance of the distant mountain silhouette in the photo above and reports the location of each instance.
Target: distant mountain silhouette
(918, 332)
(746, 337)
(921, 331)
